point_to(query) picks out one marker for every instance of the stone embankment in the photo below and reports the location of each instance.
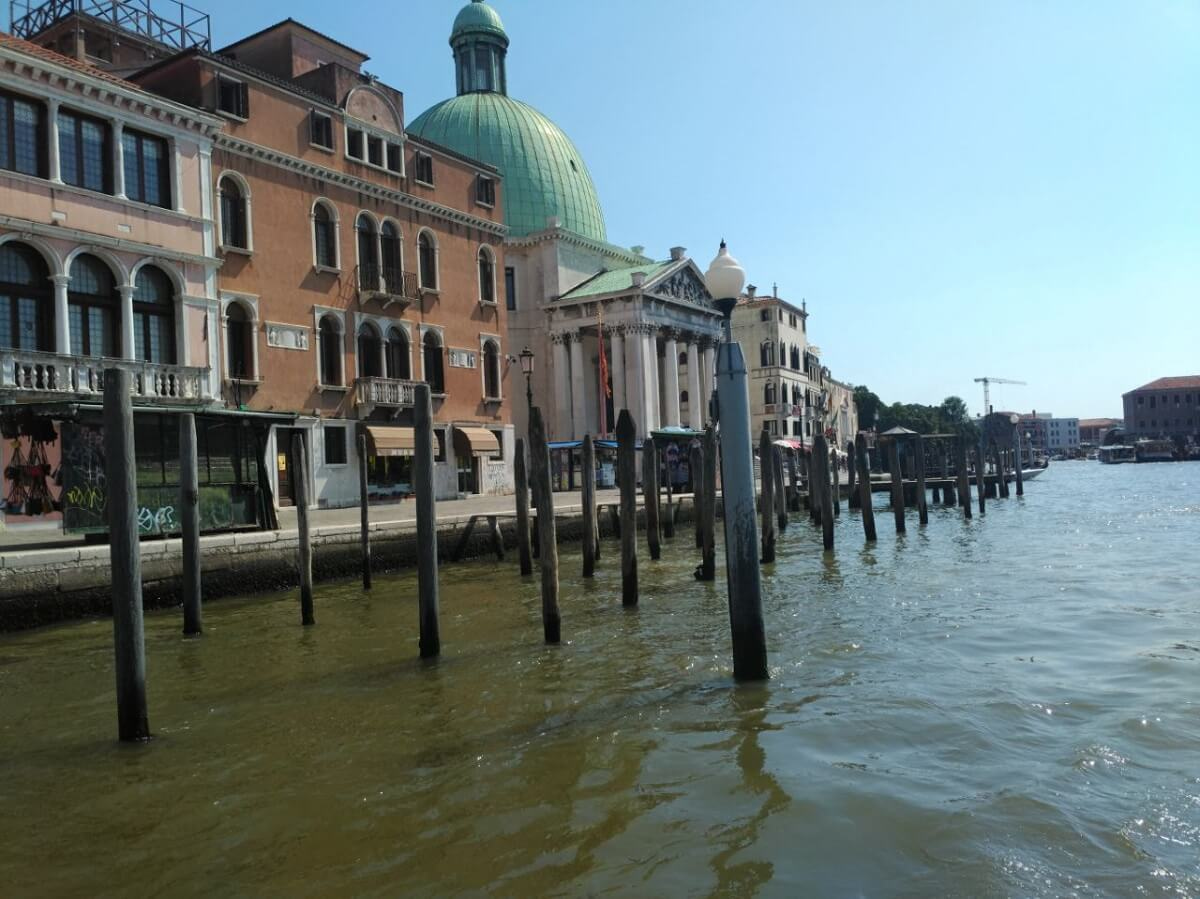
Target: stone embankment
(44, 586)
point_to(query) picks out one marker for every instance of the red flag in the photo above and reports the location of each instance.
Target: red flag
(605, 387)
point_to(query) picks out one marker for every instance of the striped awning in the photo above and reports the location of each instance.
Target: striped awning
(391, 441)
(482, 441)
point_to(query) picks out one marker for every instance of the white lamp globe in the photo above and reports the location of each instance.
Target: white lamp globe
(724, 278)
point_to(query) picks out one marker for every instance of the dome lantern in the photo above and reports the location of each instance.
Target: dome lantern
(480, 45)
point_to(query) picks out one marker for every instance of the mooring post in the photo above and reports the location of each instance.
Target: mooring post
(1019, 463)
(668, 524)
(627, 478)
(427, 557)
(836, 494)
(547, 530)
(964, 478)
(781, 510)
(364, 519)
(521, 476)
(853, 500)
(696, 462)
(812, 472)
(865, 502)
(708, 515)
(741, 540)
(588, 474)
(300, 481)
(189, 503)
(897, 484)
(793, 482)
(823, 458)
(919, 465)
(1001, 469)
(981, 479)
(650, 497)
(125, 557)
(766, 470)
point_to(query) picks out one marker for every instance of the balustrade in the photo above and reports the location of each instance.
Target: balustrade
(385, 392)
(29, 375)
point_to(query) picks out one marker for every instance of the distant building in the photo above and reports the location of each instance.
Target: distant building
(1062, 434)
(1168, 407)
(1092, 430)
(1035, 427)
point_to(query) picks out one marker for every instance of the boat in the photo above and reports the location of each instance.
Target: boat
(1155, 450)
(1117, 453)
(1028, 474)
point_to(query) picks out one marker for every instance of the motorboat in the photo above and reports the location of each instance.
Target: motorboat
(1117, 453)
(1155, 450)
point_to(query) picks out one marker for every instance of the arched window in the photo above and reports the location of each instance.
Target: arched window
(432, 357)
(235, 214)
(683, 359)
(767, 353)
(26, 301)
(325, 236)
(370, 353)
(683, 397)
(487, 280)
(153, 316)
(393, 274)
(368, 253)
(783, 352)
(396, 353)
(769, 394)
(239, 335)
(491, 370)
(427, 253)
(94, 308)
(329, 339)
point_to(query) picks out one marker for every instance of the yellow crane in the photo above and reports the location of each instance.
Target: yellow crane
(987, 393)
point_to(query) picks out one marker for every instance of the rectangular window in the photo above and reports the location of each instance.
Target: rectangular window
(485, 191)
(499, 457)
(395, 161)
(233, 97)
(83, 151)
(335, 446)
(321, 129)
(147, 169)
(375, 151)
(21, 135)
(423, 166)
(510, 288)
(354, 143)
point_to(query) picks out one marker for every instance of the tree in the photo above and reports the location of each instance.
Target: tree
(868, 406)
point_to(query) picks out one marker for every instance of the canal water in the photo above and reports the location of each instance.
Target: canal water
(1002, 707)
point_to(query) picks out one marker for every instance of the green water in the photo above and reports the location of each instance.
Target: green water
(1007, 706)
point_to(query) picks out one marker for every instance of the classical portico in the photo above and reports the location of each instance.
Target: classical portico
(658, 328)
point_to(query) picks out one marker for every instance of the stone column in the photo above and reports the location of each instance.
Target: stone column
(697, 397)
(127, 349)
(616, 364)
(578, 383)
(636, 376)
(118, 160)
(671, 385)
(62, 316)
(650, 373)
(561, 377)
(52, 141)
(709, 375)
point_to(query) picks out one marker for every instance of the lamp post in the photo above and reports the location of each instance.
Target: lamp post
(724, 280)
(526, 358)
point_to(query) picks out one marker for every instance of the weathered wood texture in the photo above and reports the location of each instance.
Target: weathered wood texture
(300, 479)
(918, 448)
(964, 478)
(627, 481)
(853, 500)
(521, 476)
(781, 509)
(589, 506)
(547, 534)
(708, 514)
(364, 517)
(893, 450)
(650, 497)
(822, 459)
(430, 639)
(767, 497)
(866, 504)
(189, 504)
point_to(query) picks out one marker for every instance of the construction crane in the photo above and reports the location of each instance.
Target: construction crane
(987, 393)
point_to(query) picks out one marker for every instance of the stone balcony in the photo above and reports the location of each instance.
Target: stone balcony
(27, 376)
(387, 393)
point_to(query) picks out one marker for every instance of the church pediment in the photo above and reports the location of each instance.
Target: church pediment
(684, 284)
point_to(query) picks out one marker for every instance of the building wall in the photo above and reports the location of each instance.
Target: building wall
(1165, 412)
(1062, 433)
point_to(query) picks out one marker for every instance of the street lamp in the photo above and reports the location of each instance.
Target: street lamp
(526, 357)
(724, 280)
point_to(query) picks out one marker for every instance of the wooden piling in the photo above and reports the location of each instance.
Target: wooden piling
(521, 475)
(708, 554)
(1001, 478)
(125, 558)
(822, 460)
(981, 479)
(811, 470)
(919, 467)
(627, 477)
(897, 484)
(300, 481)
(794, 479)
(836, 471)
(650, 497)
(781, 509)
(696, 459)
(964, 479)
(547, 531)
(1018, 462)
(588, 474)
(495, 537)
(853, 500)
(668, 522)
(364, 518)
(189, 504)
(865, 502)
(427, 558)
(766, 470)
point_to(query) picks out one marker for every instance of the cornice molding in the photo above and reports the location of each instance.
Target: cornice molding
(91, 238)
(578, 240)
(291, 163)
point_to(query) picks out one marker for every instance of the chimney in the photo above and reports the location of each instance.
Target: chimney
(751, 290)
(639, 278)
(678, 253)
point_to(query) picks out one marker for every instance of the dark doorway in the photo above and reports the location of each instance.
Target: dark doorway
(285, 464)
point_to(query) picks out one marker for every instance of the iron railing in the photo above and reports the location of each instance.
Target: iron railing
(387, 281)
(169, 22)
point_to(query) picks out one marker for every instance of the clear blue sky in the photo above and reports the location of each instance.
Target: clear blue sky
(1006, 188)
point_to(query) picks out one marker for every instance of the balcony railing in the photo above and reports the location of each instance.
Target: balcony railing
(390, 392)
(30, 375)
(169, 22)
(387, 283)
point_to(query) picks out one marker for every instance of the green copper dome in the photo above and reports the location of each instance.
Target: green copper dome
(544, 175)
(476, 18)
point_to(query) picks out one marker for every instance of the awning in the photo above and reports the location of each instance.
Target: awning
(392, 441)
(790, 444)
(482, 441)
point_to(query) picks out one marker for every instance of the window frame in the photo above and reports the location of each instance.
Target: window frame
(149, 311)
(78, 300)
(486, 341)
(335, 317)
(41, 139)
(427, 332)
(242, 111)
(247, 224)
(485, 191)
(419, 158)
(426, 234)
(140, 139)
(249, 308)
(510, 288)
(325, 445)
(486, 252)
(314, 117)
(42, 296)
(334, 235)
(390, 147)
(106, 152)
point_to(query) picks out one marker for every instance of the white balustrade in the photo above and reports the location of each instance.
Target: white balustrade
(25, 374)
(385, 392)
